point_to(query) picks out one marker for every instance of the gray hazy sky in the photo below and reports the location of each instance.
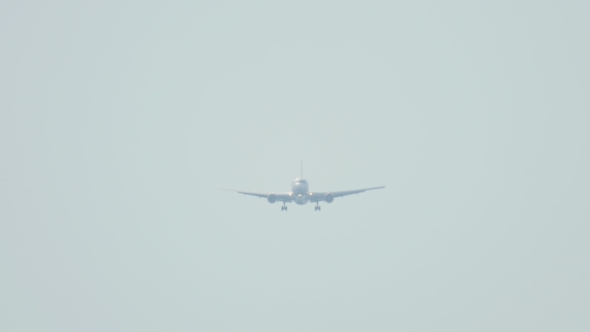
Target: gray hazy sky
(119, 120)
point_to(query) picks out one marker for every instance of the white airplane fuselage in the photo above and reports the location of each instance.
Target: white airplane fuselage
(300, 191)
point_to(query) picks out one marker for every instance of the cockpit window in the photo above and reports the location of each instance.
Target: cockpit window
(299, 180)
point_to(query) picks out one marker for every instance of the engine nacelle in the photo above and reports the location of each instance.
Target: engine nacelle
(272, 198)
(329, 198)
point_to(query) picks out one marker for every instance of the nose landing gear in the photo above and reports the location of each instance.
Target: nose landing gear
(317, 207)
(284, 207)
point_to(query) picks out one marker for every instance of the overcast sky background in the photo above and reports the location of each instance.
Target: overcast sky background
(120, 120)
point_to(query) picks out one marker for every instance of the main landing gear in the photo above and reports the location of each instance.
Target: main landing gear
(317, 207)
(284, 207)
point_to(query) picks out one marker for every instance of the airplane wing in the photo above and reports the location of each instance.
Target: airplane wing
(281, 197)
(321, 196)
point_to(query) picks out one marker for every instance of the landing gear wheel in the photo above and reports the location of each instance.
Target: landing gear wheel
(284, 208)
(317, 208)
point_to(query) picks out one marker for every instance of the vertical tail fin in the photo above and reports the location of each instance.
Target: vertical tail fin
(302, 168)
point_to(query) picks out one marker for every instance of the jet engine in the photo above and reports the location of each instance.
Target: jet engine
(329, 198)
(272, 198)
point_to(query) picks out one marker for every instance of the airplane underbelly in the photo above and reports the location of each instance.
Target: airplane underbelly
(301, 199)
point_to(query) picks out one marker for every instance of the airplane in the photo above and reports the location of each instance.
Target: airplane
(301, 195)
